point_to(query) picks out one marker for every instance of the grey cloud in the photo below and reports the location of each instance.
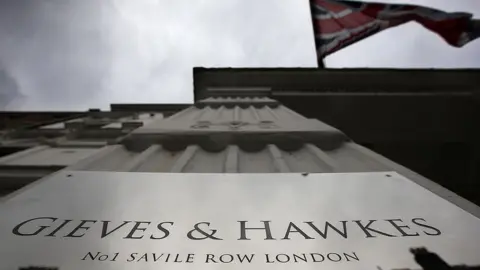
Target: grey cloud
(55, 50)
(79, 54)
(88, 53)
(10, 95)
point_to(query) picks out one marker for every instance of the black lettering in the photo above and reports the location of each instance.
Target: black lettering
(436, 231)
(41, 228)
(327, 225)
(155, 258)
(314, 259)
(176, 259)
(228, 256)
(366, 229)
(268, 259)
(210, 258)
(296, 230)
(243, 230)
(400, 227)
(144, 257)
(103, 257)
(285, 260)
(105, 231)
(89, 254)
(296, 257)
(329, 255)
(114, 257)
(135, 229)
(65, 222)
(353, 257)
(206, 235)
(166, 233)
(79, 227)
(190, 258)
(132, 257)
(245, 257)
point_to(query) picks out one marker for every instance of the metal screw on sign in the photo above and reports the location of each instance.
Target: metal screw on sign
(202, 124)
(267, 124)
(237, 124)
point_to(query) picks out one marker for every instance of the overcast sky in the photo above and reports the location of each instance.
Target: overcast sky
(75, 55)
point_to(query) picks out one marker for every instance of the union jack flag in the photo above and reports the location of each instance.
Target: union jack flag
(339, 23)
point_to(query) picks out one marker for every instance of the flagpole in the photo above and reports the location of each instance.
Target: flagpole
(315, 30)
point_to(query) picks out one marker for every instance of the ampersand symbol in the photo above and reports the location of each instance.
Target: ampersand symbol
(205, 234)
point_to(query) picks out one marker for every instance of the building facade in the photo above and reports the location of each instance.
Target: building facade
(424, 119)
(427, 124)
(36, 144)
(242, 133)
(227, 130)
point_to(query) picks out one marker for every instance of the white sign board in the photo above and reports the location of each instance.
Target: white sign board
(361, 221)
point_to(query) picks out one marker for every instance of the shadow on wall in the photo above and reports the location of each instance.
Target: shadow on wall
(431, 261)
